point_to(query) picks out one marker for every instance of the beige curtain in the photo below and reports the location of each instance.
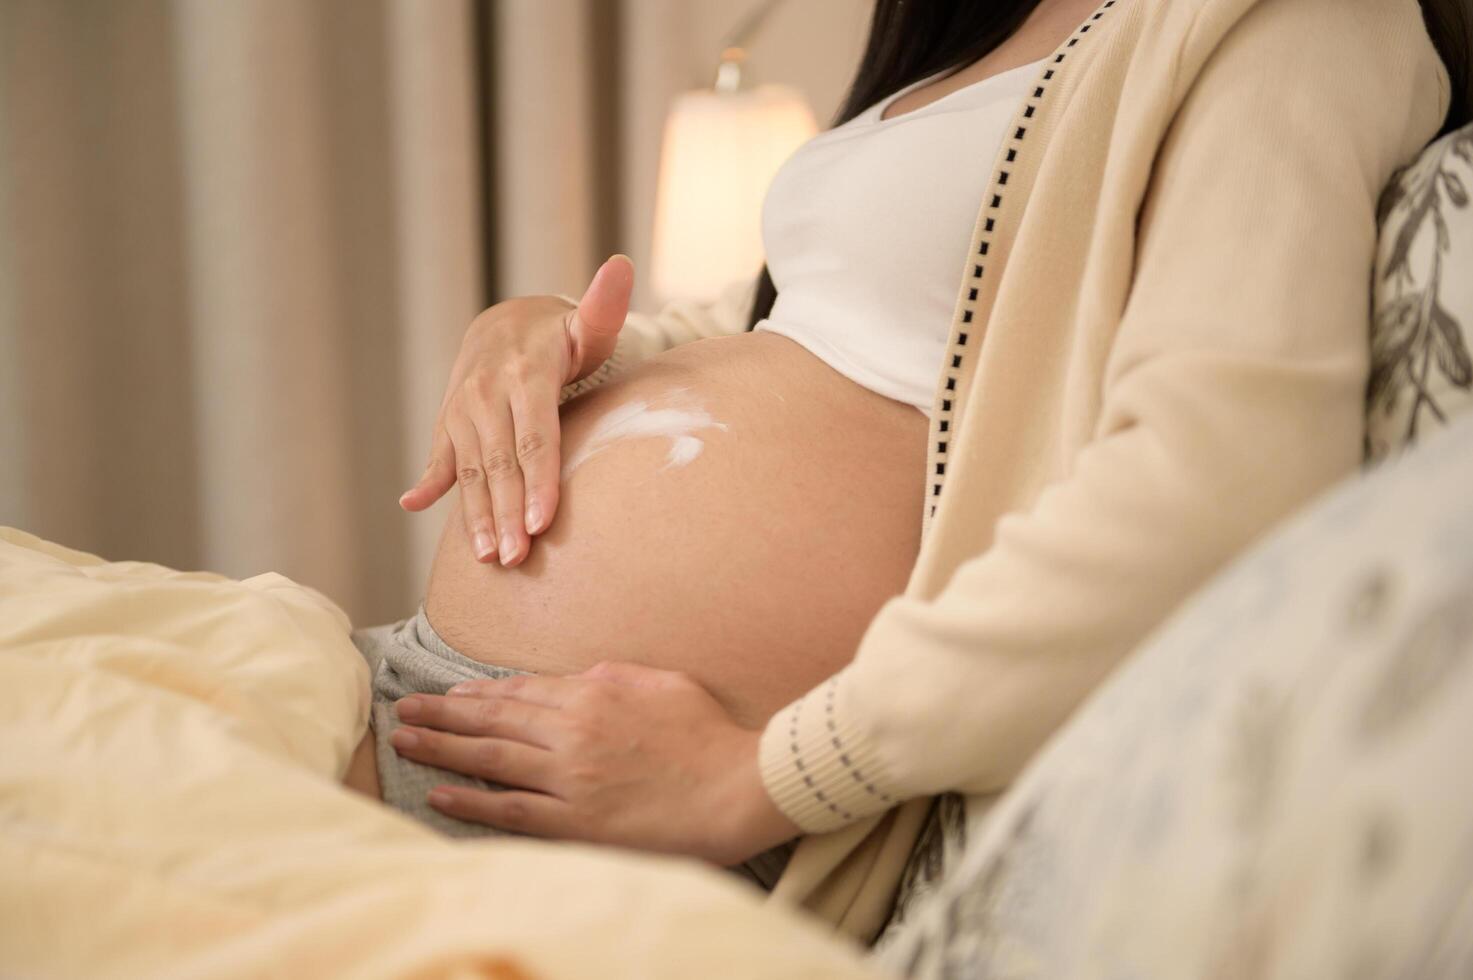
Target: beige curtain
(240, 240)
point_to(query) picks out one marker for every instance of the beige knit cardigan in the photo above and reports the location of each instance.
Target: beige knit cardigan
(1158, 350)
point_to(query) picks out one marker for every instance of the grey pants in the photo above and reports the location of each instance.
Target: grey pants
(409, 657)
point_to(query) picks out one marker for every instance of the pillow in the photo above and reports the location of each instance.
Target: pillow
(1422, 295)
(1276, 784)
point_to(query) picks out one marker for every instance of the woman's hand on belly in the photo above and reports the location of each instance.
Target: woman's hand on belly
(620, 754)
(497, 431)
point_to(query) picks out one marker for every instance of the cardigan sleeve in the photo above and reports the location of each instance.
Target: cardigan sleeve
(679, 321)
(1233, 393)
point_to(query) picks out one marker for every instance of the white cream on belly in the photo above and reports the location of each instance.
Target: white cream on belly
(638, 420)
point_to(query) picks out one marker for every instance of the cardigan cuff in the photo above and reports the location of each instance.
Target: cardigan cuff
(594, 378)
(819, 765)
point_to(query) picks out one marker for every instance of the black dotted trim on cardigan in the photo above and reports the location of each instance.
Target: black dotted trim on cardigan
(1020, 133)
(838, 745)
(828, 708)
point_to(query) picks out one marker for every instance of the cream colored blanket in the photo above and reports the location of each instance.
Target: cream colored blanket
(170, 749)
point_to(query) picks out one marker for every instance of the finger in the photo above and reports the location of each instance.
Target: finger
(535, 418)
(550, 692)
(593, 328)
(499, 760)
(439, 474)
(492, 419)
(528, 813)
(475, 497)
(521, 721)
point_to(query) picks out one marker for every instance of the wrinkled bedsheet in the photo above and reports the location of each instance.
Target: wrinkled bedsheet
(170, 748)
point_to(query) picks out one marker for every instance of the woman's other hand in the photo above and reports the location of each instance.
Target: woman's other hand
(497, 431)
(620, 754)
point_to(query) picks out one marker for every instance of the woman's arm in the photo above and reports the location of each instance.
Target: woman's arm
(678, 322)
(1234, 393)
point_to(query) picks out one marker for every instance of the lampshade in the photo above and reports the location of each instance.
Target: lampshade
(719, 153)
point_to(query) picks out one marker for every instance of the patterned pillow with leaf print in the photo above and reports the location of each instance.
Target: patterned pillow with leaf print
(1421, 371)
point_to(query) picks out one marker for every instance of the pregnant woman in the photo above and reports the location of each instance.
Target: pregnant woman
(1069, 306)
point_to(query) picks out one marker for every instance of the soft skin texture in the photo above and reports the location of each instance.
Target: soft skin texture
(794, 562)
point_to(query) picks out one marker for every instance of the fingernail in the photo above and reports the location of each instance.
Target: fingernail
(405, 495)
(508, 547)
(439, 798)
(407, 708)
(464, 687)
(402, 738)
(534, 517)
(484, 546)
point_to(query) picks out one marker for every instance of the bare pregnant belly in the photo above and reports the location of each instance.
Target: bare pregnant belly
(754, 566)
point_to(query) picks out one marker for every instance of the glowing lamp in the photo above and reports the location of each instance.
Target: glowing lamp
(720, 150)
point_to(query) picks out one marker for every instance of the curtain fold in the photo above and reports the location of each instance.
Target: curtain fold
(268, 307)
(439, 196)
(240, 241)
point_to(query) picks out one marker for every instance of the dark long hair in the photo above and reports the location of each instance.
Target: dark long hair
(909, 41)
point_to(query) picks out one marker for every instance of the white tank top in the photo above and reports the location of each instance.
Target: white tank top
(865, 228)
